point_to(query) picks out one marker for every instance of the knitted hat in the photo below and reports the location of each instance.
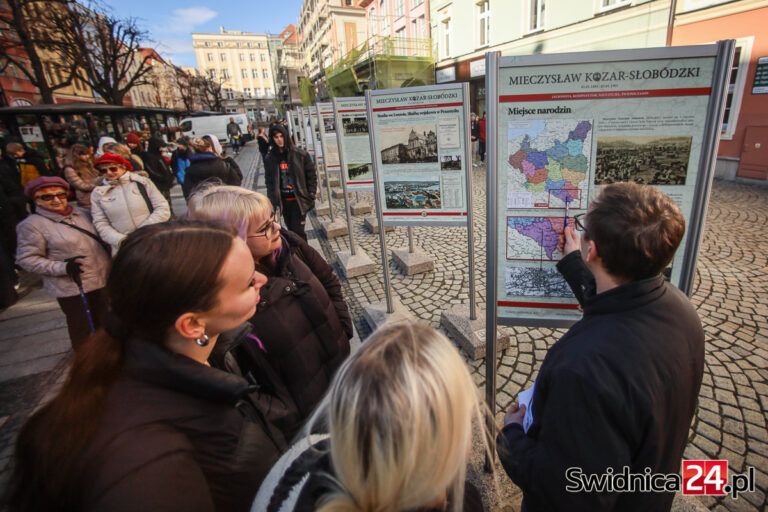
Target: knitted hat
(132, 138)
(109, 158)
(42, 182)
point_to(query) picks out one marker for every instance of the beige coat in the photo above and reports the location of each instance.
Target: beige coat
(119, 209)
(83, 181)
(44, 244)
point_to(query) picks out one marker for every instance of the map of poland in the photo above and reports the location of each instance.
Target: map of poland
(534, 238)
(548, 161)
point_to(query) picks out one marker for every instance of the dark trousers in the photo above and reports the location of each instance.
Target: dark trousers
(77, 321)
(294, 219)
(481, 150)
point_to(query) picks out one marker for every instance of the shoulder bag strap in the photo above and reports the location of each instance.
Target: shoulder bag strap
(101, 242)
(143, 192)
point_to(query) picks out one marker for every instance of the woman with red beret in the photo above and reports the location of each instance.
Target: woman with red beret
(59, 243)
(125, 202)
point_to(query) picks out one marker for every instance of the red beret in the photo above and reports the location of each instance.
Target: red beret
(109, 158)
(44, 181)
(132, 138)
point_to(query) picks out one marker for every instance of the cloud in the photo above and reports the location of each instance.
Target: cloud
(186, 19)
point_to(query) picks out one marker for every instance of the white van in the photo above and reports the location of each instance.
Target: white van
(214, 125)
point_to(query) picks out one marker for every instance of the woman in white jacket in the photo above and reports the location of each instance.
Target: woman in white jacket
(125, 202)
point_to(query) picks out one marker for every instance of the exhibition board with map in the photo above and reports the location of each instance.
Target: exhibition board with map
(564, 125)
(353, 142)
(327, 128)
(419, 146)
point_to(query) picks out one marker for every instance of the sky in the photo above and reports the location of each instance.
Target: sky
(170, 22)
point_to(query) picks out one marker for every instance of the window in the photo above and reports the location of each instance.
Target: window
(223, 57)
(372, 22)
(250, 45)
(225, 73)
(483, 23)
(244, 73)
(210, 57)
(212, 72)
(536, 15)
(266, 73)
(610, 4)
(399, 8)
(400, 41)
(220, 44)
(416, 3)
(736, 85)
(208, 44)
(446, 38)
(263, 57)
(258, 91)
(247, 92)
(255, 73)
(230, 94)
(253, 57)
(239, 45)
(268, 92)
(242, 57)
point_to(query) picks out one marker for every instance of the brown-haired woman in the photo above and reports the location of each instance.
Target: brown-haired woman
(143, 422)
(81, 173)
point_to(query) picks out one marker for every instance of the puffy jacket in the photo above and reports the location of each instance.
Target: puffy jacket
(303, 323)
(204, 166)
(83, 180)
(176, 435)
(300, 165)
(118, 208)
(155, 165)
(44, 243)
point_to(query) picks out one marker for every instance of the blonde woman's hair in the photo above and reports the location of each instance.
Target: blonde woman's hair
(201, 145)
(400, 413)
(118, 149)
(234, 206)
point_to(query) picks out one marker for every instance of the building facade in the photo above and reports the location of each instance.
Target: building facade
(743, 149)
(288, 63)
(464, 30)
(241, 62)
(328, 30)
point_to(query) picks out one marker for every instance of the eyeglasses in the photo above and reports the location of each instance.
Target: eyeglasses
(269, 229)
(577, 222)
(49, 197)
(111, 168)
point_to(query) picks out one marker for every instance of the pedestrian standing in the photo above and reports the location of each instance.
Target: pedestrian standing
(125, 202)
(291, 179)
(481, 138)
(206, 165)
(100, 146)
(180, 158)
(29, 163)
(234, 133)
(263, 141)
(143, 422)
(60, 243)
(134, 143)
(81, 174)
(234, 174)
(124, 151)
(619, 390)
(302, 322)
(157, 168)
(475, 137)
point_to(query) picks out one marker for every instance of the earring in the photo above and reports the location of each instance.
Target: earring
(202, 340)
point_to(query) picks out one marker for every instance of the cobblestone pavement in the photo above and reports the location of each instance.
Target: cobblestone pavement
(730, 293)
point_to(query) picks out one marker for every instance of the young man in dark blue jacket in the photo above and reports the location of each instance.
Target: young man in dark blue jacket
(620, 388)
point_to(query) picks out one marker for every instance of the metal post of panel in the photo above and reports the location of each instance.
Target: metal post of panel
(320, 124)
(342, 172)
(470, 217)
(411, 244)
(708, 158)
(379, 206)
(492, 107)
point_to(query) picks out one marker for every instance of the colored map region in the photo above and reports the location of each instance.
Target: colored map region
(548, 162)
(534, 238)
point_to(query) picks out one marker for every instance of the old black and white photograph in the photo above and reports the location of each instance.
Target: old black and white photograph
(360, 172)
(651, 160)
(450, 163)
(537, 282)
(409, 144)
(329, 125)
(355, 126)
(413, 194)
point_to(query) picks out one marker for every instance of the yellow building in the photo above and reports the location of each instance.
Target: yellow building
(241, 61)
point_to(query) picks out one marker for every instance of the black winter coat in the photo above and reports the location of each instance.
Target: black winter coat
(618, 389)
(204, 166)
(177, 435)
(156, 167)
(303, 323)
(263, 146)
(301, 166)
